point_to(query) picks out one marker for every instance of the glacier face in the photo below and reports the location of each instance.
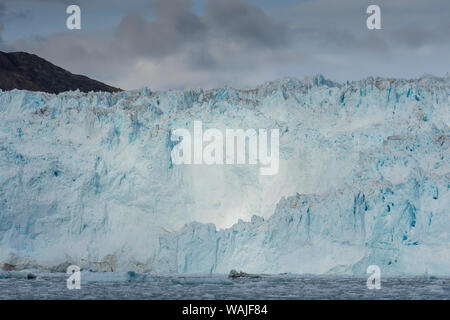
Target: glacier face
(364, 179)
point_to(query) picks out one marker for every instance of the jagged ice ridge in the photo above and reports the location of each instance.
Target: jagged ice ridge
(364, 179)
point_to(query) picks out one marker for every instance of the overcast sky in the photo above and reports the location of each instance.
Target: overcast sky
(211, 43)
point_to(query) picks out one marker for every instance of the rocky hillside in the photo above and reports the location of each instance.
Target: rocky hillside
(21, 70)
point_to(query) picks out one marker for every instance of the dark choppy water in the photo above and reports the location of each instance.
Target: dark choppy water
(121, 286)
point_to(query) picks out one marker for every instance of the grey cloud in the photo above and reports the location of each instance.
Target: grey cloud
(407, 23)
(200, 57)
(414, 37)
(5, 17)
(238, 20)
(170, 44)
(2, 12)
(417, 23)
(173, 26)
(3, 46)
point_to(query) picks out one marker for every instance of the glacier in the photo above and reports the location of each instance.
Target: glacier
(87, 179)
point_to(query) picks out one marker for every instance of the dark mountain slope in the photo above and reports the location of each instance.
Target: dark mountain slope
(21, 70)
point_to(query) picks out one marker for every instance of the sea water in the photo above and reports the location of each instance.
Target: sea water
(110, 285)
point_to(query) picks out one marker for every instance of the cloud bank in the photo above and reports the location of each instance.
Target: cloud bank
(185, 44)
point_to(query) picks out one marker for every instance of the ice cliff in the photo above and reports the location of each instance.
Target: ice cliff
(364, 179)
